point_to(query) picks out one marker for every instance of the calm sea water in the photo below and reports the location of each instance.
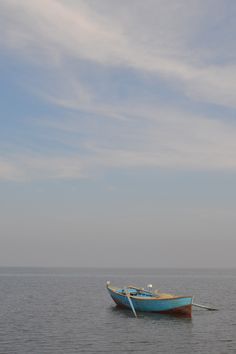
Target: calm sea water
(47, 311)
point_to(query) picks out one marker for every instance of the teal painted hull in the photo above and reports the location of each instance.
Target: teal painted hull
(177, 305)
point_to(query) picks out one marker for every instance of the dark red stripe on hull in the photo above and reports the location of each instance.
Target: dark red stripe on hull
(184, 311)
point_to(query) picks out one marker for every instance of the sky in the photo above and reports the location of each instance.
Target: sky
(118, 133)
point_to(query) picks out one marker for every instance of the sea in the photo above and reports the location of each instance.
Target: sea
(68, 311)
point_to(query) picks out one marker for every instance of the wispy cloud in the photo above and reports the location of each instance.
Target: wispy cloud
(9, 170)
(170, 139)
(55, 31)
(28, 167)
(159, 41)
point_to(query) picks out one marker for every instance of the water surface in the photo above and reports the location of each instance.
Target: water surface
(67, 311)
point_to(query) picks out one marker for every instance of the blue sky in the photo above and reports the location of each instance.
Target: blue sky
(117, 132)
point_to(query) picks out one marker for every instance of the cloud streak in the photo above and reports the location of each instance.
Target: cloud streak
(157, 42)
(55, 31)
(171, 139)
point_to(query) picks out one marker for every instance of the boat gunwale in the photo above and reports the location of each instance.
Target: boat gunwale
(149, 298)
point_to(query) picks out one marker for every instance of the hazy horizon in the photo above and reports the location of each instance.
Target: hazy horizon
(118, 133)
(119, 268)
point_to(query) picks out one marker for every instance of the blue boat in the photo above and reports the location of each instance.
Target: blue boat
(138, 299)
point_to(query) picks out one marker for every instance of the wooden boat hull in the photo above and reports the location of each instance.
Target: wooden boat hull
(177, 305)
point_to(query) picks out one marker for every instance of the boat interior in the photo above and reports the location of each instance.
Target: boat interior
(140, 292)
